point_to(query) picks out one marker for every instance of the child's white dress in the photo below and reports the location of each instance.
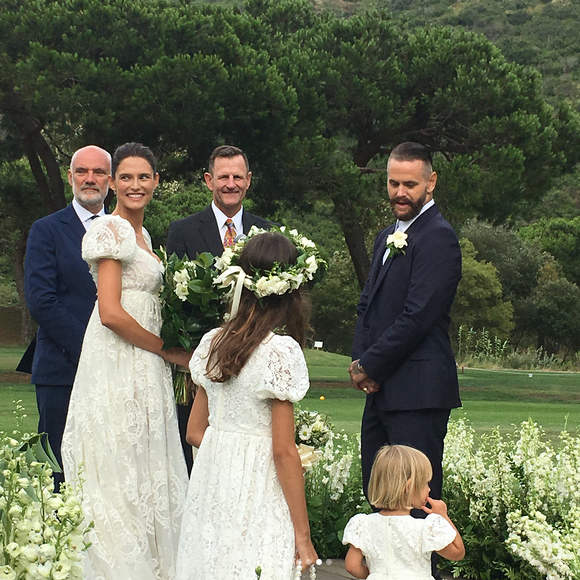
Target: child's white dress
(398, 547)
(236, 516)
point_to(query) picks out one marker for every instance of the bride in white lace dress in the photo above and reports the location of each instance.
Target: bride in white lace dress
(245, 506)
(121, 424)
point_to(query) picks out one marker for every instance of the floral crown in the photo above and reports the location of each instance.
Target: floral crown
(281, 278)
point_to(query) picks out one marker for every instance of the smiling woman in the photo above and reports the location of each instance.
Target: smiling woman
(121, 423)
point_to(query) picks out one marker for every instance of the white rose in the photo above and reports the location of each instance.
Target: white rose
(312, 265)
(181, 277)
(306, 243)
(398, 239)
(182, 291)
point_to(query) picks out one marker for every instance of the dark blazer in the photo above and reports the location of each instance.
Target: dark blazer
(402, 331)
(199, 233)
(60, 294)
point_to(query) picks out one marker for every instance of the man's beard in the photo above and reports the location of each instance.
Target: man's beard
(413, 207)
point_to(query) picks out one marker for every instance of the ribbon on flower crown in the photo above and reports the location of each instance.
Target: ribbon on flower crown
(240, 275)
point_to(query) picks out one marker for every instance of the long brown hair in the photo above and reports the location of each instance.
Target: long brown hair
(256, 318)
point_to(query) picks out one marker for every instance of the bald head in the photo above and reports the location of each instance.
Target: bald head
(88, 176)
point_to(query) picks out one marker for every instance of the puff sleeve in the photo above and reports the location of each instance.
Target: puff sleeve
(437, 533)
(354, 533)
(198, 360)
(285, 374)
(111, 237)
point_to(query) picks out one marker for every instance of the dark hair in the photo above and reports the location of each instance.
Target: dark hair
(228, 151)
(410, 151)
(256, 318)
(133, 150)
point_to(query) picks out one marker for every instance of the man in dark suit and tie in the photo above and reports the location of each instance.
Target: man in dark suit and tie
(214, 228)
(402, 355)
(60, 292)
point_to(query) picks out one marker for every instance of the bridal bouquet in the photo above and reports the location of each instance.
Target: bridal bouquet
(312, 431)
(191, 305)
(41, 532)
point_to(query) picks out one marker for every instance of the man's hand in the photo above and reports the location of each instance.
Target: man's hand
(360, 380)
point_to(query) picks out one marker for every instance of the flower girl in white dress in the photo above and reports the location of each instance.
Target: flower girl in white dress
(245, 506)
(394, 544)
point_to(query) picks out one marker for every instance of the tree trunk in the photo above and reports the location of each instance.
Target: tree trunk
(355, 239)
(27, 329)
(37, 150)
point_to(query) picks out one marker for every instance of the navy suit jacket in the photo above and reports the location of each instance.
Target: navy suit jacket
(60, 294)
(199, 233)
(402, 331)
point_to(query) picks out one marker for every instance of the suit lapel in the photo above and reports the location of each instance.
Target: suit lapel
(412, 230)
(73, 226)
(248, 220)
(209, 231)
(379, 269)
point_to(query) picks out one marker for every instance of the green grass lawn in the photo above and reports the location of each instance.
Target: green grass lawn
(490, 398)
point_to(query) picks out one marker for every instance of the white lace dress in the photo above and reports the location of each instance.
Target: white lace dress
(236, 517)
(122, 426)
(398, 547)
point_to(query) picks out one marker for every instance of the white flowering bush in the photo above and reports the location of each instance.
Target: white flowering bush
(334, 493)
(41, 532)
(516, 501)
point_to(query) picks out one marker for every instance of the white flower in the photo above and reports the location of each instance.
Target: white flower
(293, 232)
(312, 264)
(304, 433)
(30, 553)
(398, 240)
(7, 573)
(46, 552)
(181, 277)
(13, 550)
(43, 570)
(182, 291)
(306, 243)
(54, 503)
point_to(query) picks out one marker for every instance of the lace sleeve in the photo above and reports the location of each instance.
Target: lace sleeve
(198, 361)
(109, 236)
(354, 532)
(437, 533)
(285, 371)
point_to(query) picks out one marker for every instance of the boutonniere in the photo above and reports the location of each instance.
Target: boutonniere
(396, 243)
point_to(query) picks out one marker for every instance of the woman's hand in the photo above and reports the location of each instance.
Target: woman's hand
(306, 553)
(177, 356)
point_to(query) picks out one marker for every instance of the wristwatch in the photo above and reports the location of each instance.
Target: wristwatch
(359, 368)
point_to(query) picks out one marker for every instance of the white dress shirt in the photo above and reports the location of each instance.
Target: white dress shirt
(85, 215)
(402, 226)
(221, 218)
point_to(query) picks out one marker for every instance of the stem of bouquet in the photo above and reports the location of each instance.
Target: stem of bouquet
(184, 388)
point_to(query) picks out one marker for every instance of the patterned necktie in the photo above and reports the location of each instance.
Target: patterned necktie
(229, 238)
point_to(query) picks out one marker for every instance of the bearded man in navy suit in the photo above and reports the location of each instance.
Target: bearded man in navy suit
(60, 292)
(402, 355)
(210, 230)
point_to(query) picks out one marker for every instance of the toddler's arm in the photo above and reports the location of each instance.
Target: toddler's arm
(455, 550)
(354, 563)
